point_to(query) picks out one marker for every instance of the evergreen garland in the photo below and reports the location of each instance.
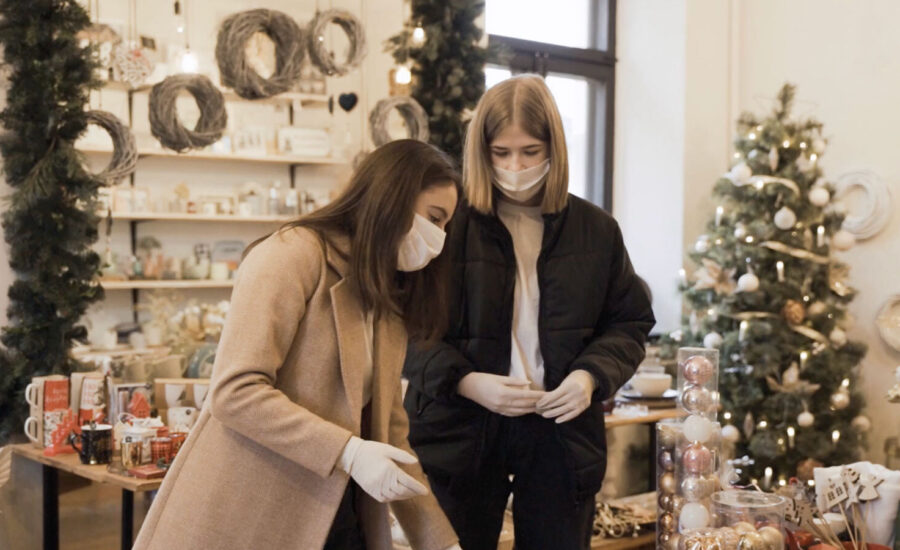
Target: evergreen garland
(448, 69)
(49, 219)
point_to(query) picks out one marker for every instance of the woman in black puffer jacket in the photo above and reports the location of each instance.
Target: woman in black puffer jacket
(547, 320)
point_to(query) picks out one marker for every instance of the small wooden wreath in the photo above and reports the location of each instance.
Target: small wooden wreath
(164, 123)
(414, 117)
(324, 59)
(238, 74)
(124, 158)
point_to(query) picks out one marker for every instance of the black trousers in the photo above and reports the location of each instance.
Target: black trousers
(346, 533)
(527, 460)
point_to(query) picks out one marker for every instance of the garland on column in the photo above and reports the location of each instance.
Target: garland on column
(49, 220)
(447, 65)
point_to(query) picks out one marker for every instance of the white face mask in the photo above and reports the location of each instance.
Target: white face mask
(422, 244)
(524, 184)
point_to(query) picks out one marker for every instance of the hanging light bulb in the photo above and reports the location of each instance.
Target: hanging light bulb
(403, 75)
(418, 36)
(189, 61)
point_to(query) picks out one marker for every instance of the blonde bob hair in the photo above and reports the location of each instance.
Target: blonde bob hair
(524, 100)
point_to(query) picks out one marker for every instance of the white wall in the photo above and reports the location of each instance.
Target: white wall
(370, 82)
(648, 146)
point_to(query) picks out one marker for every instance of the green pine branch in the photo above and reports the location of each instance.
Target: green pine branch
(49, 221)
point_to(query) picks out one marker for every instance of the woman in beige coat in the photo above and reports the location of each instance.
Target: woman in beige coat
(302, 442)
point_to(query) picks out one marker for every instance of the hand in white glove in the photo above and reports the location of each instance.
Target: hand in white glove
(570, 399)
(499, 394)
(372, 465)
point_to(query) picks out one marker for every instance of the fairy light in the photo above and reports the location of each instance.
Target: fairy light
(786, 143)
(779, 266)
(763, 424)
(726, 415)
(791, 433)
(749, 239)
(752, 135)
(804, 356)
(803, 145)
(418, 36)
(845, 383)
(403, 75)
(813, 157)
(835, 436)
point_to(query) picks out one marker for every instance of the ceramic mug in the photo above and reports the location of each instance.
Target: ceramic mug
(96, 443)
(33, 432)
(173, 394)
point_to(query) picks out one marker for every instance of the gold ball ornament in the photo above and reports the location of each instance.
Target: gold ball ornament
(665, 502)
(667, 483)
(805, 469)
(744, 527)
(673, 543)
(752, 541)
(667, 522)
(773, 537)
(793, 312)
(729, 537)
(840, 400)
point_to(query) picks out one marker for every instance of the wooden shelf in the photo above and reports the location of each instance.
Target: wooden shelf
(613, 421)
(230, 95)
(221, 218)
(161, 285)
(209, 155)
(70, 463)
(647, 540)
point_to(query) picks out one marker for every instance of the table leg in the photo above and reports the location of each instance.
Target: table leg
(651, 484)
(51, 507)
(127, 519)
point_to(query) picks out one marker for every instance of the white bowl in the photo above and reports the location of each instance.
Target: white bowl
(651, 384)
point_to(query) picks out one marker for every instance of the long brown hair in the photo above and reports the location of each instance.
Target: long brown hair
(375, 211)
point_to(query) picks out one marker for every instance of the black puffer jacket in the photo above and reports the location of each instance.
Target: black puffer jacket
(594, 315)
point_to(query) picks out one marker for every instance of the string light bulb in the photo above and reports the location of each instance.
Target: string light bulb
(403, 75)
(418, 36)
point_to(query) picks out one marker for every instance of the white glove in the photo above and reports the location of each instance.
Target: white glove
(570, 399)
(372, 465)
(499, 394)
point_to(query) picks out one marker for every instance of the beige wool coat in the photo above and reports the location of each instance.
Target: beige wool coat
(259, 468)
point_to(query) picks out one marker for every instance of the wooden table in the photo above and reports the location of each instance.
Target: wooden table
(70, 463)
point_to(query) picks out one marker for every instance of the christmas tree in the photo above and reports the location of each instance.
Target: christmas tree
(771, 297)
(49, 220)
(441, 45)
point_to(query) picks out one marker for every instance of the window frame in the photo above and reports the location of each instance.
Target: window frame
(596, 64)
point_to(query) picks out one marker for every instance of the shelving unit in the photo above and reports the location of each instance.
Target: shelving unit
(294, 102)
(287, 160)
(165, 285)
(221, 218)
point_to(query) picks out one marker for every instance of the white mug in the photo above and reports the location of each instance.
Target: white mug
(173, 393)
(32, 433)
(200, 391)
(32, 391)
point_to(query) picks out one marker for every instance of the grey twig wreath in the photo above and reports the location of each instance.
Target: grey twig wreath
(164, 123)
(414, 117)
(290, 48)
(124, 157)
(324, 59)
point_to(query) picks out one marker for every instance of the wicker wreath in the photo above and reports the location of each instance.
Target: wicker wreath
(414, 117)
(164, 123)
(290, 49)
(319, 54)
(124, 158)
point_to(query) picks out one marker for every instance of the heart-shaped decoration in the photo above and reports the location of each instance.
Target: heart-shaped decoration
(347, 101)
